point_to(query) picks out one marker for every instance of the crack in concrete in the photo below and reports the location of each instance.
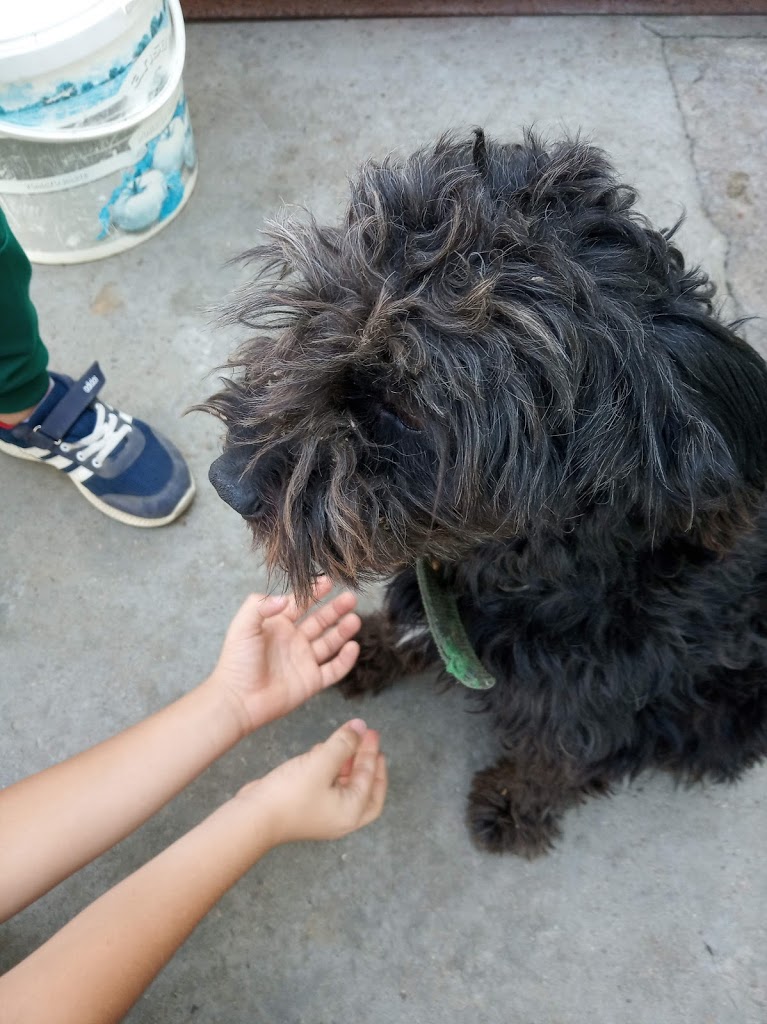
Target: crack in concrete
(727, 286)
(699, 35)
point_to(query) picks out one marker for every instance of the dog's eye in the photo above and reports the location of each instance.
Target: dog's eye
(406, 420)
(382, 410)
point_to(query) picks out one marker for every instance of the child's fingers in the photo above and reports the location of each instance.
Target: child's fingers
(249, 620)
(320, 588)
(331, 642)
(340, 747)
(321, 619)
(362, 778)
(341, 665)
(377, 792)
(380, 785)
(346, 771)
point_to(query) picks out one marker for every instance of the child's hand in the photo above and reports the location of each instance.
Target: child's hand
(270, 662)
(335, 788)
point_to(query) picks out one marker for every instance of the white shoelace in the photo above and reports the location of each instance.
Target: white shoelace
(109, 430)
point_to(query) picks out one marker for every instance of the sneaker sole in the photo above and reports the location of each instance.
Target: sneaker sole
(114, 513)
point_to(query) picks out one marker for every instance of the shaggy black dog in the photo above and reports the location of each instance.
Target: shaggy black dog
(496, 364)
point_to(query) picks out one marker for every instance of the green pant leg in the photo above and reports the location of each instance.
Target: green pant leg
(23, 356)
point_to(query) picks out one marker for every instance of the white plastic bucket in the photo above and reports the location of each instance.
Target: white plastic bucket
(96, 146)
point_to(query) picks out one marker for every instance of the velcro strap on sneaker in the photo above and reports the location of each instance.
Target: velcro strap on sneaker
(74, 403)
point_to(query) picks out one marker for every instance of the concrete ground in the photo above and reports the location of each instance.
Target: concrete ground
(653, 907)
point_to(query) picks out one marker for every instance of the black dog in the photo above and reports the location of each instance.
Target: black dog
(497, 371)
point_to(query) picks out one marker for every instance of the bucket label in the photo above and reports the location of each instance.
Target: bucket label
(132, 77)
(124, 152)
(60, 182)
(149, 74)
(154, 187)
(88, 212)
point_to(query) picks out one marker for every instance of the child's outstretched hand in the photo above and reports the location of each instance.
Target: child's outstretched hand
(273, 660)
(335, 788)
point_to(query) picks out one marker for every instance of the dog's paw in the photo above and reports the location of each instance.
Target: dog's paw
(378, 665)
(364, 680)
(501, 824)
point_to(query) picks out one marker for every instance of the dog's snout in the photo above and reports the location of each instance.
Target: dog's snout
(232, 483)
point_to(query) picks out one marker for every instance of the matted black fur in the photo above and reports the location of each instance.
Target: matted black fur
(496, 362)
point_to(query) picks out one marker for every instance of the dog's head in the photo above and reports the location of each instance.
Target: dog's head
(493, 342)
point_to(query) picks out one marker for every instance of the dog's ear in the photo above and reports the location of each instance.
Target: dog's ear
(479, 152)
(726, 381)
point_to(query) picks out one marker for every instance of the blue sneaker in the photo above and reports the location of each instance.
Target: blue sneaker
(119, 464)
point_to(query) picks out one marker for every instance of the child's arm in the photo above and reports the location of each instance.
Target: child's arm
(94, 969)
(60, 819)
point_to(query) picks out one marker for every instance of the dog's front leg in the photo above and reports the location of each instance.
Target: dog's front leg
(386, 655)
(515, 806)
(394, 642)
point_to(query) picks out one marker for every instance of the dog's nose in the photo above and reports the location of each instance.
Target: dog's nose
(232, 484)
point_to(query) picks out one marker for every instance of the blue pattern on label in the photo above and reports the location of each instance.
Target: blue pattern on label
(69, 99)
(154, 187)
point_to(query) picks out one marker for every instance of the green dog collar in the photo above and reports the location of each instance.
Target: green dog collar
(448, 631)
